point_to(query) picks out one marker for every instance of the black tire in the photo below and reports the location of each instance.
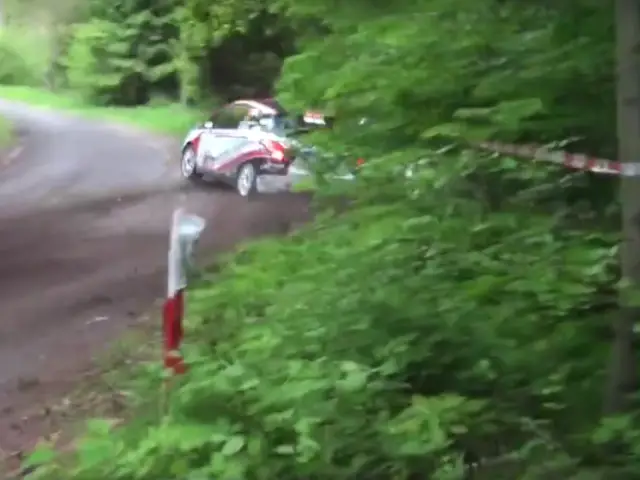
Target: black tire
(189, 171)
(247, 180)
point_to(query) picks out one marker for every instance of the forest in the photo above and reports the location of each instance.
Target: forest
(456, 324)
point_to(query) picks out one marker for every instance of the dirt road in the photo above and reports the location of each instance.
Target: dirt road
(84, 215)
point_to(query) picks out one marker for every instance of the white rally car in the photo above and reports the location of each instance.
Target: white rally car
(242, 141)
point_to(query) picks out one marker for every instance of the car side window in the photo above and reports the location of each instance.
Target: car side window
(230, 116)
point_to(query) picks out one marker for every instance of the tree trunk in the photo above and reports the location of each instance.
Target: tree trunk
(622, 370)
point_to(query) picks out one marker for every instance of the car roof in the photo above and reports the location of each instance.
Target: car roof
(265, 106)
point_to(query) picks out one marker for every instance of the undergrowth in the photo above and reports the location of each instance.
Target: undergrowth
(24, 56)
(393, 340)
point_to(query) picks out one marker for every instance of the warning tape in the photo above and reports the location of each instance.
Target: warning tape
(575, 161)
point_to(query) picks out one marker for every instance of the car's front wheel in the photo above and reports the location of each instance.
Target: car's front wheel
(188, 166)
(247, 180)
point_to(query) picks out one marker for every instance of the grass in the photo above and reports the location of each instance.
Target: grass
(6, 132)
(165, 118)
(305, 185)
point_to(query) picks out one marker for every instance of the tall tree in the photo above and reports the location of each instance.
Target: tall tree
(623, 370)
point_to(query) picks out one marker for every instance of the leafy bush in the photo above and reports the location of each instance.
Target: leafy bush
(97, 67)
(119, 53)
(19, 62)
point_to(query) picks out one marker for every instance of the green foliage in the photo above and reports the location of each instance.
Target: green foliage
(125, 52)
(114, 58)
(494, 53)
(22, 59)
(14, 69)
(86, 71)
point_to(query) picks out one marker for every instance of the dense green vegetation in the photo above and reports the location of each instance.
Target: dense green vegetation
(457, 318)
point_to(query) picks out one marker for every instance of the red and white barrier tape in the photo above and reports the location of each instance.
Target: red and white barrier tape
(185, 230)
(569, 160)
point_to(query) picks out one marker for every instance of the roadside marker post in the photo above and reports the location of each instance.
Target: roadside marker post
(184, 233)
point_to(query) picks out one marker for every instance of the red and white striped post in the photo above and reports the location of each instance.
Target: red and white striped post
(185, 231)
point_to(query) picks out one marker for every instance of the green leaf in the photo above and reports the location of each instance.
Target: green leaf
(285, 450)
(233, 445)
(41, 455)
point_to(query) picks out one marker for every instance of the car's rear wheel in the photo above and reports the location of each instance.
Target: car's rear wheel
(188, 166)
(247, 180)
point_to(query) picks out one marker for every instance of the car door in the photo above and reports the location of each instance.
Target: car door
(237, 138)
(223, 135)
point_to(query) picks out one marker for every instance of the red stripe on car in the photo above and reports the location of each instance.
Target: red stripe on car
(195, 143)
